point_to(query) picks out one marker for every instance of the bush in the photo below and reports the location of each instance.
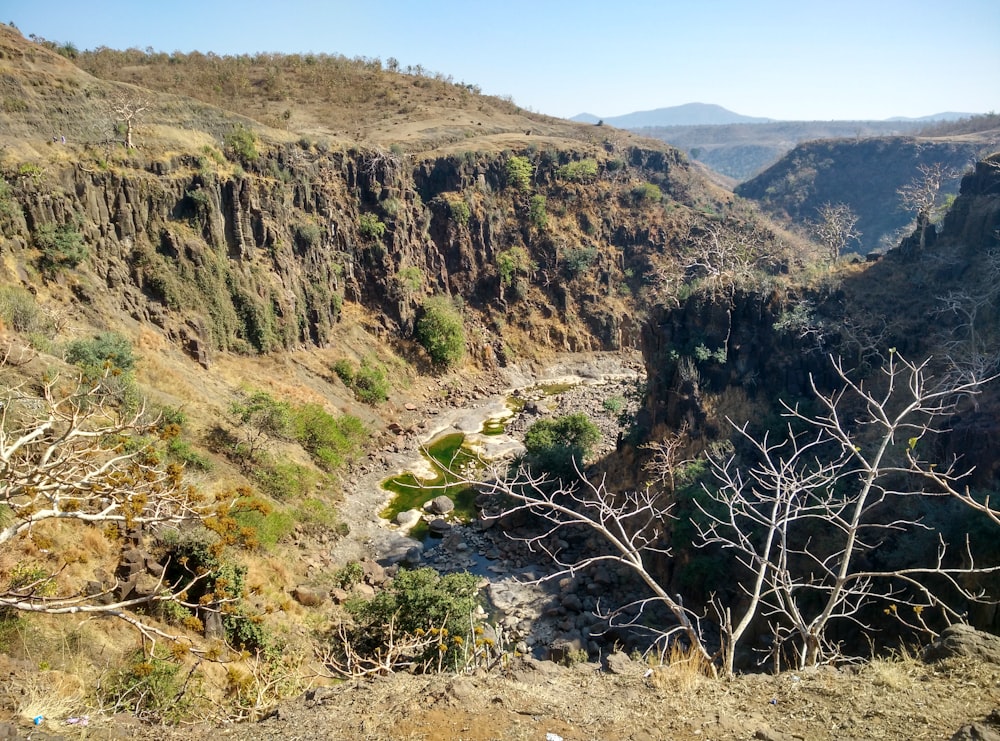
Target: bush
(370, 227)
(368, 382)
(419, 602)
(19, 310)
(308, 234)
(370, 385)
(579, 259)
(146, 686)
(62, 248)
(242, 143)
(345, 370)
(560, 445)
(440, 331)
(647, 193)
(460, 211)
(106, 349)
(519, 172)
(537, 214)
(331, 441)
(410, 280)
(285, 480)
(512, 262)
(582, 171)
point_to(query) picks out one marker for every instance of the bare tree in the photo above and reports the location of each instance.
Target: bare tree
(633, 524)
(921, 194)
(68, 455)
(806, 512)
(127, 111)
(725, 254)
(971, 353)
(836, 228)
(802, 515)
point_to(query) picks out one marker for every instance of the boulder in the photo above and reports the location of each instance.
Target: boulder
(408, 519)
(618, 662)
(441, 505)
(964, 641)
(439, 527)
(307, 597)
(977, 732)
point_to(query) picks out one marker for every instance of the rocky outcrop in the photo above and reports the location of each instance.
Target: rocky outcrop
(964, 641)
(262, 258)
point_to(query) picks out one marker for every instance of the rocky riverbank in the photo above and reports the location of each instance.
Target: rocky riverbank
(537, 618)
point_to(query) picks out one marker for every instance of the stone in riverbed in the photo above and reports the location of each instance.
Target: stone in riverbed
(408, 519)
(441, 505)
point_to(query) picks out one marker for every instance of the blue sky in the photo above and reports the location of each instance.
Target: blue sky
(784, 59)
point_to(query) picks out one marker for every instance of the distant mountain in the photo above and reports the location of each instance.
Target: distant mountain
(689, 114)
(948, 116)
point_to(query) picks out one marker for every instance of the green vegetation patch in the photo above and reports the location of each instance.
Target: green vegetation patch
(446, 453)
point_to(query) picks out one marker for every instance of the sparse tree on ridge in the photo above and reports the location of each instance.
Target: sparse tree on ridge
(835, 228)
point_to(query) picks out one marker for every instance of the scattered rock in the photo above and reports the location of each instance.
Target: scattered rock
(964, 641)
(439, 527)
(619, 663)
(307, 597)
(977, 732)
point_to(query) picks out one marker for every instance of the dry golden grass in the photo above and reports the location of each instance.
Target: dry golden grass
(53, 695)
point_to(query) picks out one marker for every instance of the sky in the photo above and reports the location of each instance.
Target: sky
(812, 60)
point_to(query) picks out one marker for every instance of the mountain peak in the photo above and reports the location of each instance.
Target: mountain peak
(689, 114)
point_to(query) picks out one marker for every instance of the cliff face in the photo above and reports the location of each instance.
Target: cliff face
(735, 354)
(261, 257)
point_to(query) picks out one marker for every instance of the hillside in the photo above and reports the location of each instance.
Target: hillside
(741, 151)
(867, 175)
(303, 271)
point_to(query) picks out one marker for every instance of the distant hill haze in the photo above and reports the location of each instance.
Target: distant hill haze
(739, 147)
(689, 114)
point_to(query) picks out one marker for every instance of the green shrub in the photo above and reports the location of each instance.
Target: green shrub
(440, 331)
(647, 193)
(410, 280)
(345, 371)
(537, 214)
(519, 172)
(19, 310)
(308, 234)
(268, 529)
(368, 382)
(460, 211)
(348, 575)
(331, 441)
(579, 259)
(241, 142)
(581, 171)
(183, 452)
(370, 385)
(513, 262)
(370, 227)
(108, 349)
(62, 248)
(419, 603)
(561, 445)
(285, 480)
(144, 685)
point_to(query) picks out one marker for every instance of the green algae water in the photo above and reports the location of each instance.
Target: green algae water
(446, 453)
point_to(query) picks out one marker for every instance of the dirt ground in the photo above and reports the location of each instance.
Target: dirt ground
(888, 699)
